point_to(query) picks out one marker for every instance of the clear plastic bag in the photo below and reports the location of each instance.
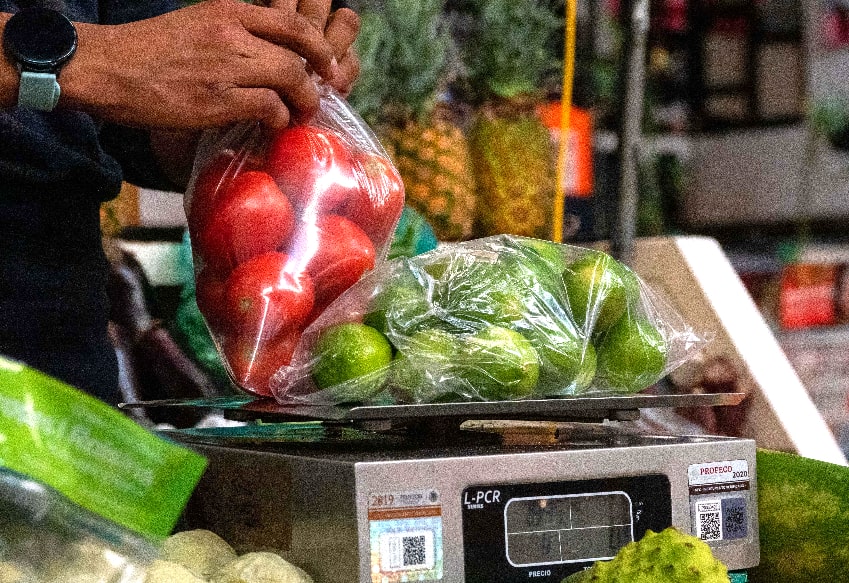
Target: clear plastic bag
(499, 318)
(281, 223)
(45, 538)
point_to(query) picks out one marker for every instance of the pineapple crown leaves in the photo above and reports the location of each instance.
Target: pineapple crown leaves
(508, 49)
(371, 89)
(404, 51)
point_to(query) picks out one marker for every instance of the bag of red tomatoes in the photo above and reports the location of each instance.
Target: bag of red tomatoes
(281, 224)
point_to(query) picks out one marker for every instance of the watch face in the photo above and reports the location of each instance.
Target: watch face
(40, 39)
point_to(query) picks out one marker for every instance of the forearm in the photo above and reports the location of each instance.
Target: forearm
(207, 65)
(9, 76)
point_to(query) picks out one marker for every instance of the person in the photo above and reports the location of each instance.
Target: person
(145, 79)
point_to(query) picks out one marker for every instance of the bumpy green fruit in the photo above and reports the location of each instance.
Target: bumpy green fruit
(201, 551)
(261, 567)
(666, 557)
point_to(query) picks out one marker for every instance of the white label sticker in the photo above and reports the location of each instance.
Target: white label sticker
(709, 520)
(718, 472)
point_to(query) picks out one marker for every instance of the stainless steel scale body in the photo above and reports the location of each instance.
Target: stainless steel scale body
(504, 501)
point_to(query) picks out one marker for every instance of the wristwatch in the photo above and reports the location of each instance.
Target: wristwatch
(39, 41)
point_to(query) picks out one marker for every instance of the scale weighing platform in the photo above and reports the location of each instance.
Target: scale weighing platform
(469, 492)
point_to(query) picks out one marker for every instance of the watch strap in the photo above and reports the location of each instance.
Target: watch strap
(38, 91)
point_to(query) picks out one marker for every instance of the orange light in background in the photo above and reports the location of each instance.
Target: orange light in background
(577, 173)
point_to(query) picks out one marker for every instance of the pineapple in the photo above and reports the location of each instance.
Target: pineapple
(404, 53)
(508, 55)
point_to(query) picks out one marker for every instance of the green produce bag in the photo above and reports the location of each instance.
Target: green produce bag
(91, 453)
(499, 318)
(413, 235)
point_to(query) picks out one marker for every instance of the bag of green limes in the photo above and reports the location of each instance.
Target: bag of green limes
(499, 318)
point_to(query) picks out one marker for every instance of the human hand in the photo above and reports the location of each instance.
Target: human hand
(207, 65)
(340, 30)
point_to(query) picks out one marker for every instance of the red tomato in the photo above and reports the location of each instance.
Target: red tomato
(264, 297)
(252, 217)
(343, 252)
(209, 294)
(380, 200)
(313, 166)
(253, 363)
(208, 185)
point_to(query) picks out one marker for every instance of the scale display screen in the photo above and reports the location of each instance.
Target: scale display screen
(543, 532)
(563, 529)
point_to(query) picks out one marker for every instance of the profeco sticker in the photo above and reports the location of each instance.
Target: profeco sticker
(719, 500)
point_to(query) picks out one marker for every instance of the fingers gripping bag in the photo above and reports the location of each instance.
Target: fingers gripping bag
(500, 318)
(281, 223)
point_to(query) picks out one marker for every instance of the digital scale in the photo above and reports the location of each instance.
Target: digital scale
(469, 492)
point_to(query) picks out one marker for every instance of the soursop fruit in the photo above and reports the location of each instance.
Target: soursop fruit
(261, 567)
(666, 557)
(201, 551)
(160, 571)
(12, 573)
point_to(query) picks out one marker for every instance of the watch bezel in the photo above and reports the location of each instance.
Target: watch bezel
(17, 39)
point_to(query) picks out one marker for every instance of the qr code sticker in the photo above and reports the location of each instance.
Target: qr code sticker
(415, 551)
(709, 520)
(403, 551)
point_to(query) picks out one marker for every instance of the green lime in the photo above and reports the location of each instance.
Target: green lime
(499, 364)
(422, 362)
(550, 252)
(567, 360)
(631, 355)
(500, 304)
(436, 263)
(472, 295)
(485, 293)
(599, 290)
(545, 260)
(398, 308)
(351, 353)
(437, 268)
